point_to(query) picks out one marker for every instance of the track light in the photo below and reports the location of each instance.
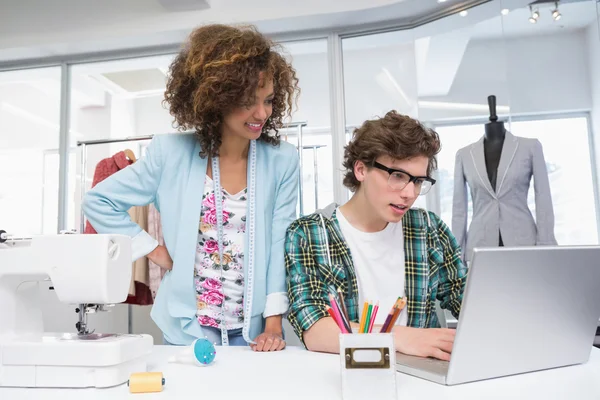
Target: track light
(535, 15)
(555, 13)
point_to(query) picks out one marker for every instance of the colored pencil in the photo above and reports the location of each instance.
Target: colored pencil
(368, 320)
(363, 317)
(375, 309)
(332, 315)
(398, 309)
(343, 304)
(336, 319)
(388, 320)
(337, 311)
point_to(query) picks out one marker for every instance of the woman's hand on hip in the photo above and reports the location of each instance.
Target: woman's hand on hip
(161, 257)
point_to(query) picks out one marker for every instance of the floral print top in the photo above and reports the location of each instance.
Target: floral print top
(218, 287)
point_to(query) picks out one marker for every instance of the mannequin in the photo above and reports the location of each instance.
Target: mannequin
(498, 170)
(493, 141)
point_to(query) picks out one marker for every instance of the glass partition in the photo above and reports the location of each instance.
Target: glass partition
(29, 135)
(551, 81)
(541, 63)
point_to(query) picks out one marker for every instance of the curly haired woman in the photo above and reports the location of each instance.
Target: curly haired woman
(226, 193)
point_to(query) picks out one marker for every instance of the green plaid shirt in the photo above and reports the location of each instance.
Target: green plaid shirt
(433, 269)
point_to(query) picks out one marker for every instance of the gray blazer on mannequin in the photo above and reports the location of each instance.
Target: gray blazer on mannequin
(505, 209)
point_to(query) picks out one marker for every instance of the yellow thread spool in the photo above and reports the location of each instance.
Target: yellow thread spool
(146, 382)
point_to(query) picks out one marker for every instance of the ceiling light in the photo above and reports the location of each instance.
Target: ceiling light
(442, 1)
(534, 15)
(464, 13)
(505, 11)
(555, 13)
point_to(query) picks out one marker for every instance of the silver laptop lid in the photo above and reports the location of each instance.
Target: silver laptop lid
(526, 309)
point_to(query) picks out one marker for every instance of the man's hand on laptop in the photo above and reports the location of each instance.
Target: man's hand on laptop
(436, 343)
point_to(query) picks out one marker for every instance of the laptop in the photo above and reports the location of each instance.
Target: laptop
(524, 309)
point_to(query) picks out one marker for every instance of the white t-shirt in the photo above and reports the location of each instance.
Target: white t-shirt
(379, 264)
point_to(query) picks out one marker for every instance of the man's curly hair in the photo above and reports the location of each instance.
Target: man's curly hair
(395, 135)
(217, 71)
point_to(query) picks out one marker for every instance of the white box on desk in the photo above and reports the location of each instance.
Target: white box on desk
(368, 364)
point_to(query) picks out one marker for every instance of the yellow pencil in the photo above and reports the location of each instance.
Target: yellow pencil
(363, 317)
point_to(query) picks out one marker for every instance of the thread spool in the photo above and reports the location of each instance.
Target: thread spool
(146, 382)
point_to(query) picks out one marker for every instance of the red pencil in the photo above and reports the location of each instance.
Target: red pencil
(332, 315)
(338, 316)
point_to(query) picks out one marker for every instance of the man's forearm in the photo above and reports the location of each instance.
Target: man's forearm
(324, 337)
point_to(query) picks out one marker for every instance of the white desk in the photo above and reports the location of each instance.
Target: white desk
(238, 373)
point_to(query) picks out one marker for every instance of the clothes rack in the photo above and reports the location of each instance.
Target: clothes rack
(84, 144)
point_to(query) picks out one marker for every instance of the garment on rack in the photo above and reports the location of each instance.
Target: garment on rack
(139, 290)
(104, 169)
(155, 230)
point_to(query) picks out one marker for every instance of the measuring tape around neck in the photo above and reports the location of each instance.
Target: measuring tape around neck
(248, 284)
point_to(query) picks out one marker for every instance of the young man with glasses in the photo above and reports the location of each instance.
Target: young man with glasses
(376, 248)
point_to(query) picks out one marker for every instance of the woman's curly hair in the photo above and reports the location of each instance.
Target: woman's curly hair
(217, 71)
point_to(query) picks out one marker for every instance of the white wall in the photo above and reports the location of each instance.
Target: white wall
(539, 74)
(532, 75)
(379, 79)
(151, 117)
(313, 74)
(548, 74)
(593, 49)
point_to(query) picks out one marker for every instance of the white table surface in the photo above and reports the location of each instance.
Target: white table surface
(239, 373)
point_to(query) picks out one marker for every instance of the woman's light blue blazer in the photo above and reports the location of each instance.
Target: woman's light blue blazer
(171, 175)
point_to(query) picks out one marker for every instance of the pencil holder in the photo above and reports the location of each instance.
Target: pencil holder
(368, 363)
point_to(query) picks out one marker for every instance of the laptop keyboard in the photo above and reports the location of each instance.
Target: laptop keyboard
(428, 364)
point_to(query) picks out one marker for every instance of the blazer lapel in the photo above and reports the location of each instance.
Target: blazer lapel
(509, 149)
(478, 158)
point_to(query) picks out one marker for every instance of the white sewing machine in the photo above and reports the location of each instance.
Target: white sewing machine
(92, 271)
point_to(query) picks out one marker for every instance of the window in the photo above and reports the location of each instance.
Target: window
(29, 129)
(309, 59)
(569, 167)
(567, 152)
(113, 100)
(453, 138)
(380, 75)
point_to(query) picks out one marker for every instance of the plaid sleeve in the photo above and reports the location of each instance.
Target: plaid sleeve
(306, 291)
(453, 272)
